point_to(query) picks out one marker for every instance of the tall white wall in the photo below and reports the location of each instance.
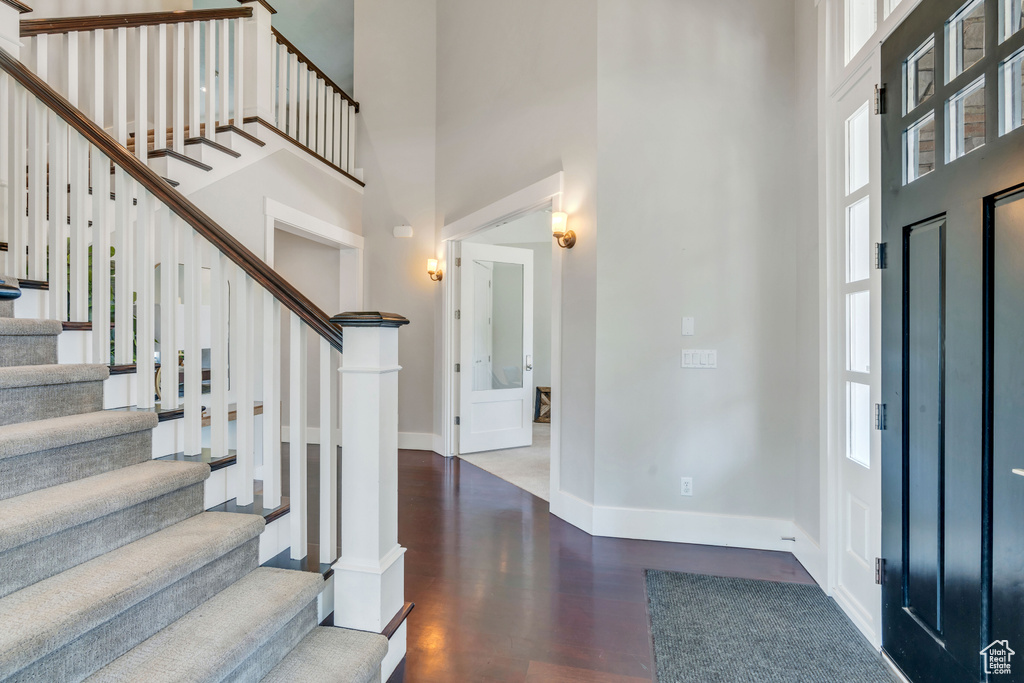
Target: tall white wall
(698, 202)
(395, 84)
(83, 8)
(517, 102)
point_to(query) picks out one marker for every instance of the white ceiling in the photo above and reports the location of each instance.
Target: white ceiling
(322, 29)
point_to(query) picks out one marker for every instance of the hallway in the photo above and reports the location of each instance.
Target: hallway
(506, 592)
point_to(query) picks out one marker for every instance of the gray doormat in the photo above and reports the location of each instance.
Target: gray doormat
(708, 628)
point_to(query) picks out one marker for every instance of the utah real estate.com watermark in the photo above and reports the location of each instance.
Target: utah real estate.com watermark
(997, 657)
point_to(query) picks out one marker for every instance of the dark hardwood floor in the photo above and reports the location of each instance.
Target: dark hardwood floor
(505, 591)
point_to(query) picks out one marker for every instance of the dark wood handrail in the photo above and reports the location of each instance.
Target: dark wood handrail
(20, 6)
(265, 4)
(253, 266)
(34, 27)
(312, 67)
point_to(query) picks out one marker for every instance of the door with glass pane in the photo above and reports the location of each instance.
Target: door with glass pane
(496, 385)
(953, 341)
(856, 468)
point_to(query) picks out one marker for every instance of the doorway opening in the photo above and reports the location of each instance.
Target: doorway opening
(503, 307)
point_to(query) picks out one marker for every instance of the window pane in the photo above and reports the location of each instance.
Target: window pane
(920, 152)
(1010, 75)
(1011, 18)
(965, 38)
(860, 24)
(967, 120)
(858, 423)
(858, 332)
(920, 75)
(858, 149)
(858, 241)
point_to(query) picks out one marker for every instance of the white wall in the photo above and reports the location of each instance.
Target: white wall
(517, 102)
(395, 83)
(697, 199)
(82, 8)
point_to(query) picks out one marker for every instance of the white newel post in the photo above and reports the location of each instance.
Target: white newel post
(10, 29)
(369, 588)
(258, 79)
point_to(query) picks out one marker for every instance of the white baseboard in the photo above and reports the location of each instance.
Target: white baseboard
(415, 441)
(438, 445)
(676, 526)
(810, 555)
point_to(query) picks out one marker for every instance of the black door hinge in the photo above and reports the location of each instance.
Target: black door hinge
(457, 420)
(458, 367)
(880, 99)
(880, 416)
(881, 255)
(458, 262)
(879, 570)
(458, 315)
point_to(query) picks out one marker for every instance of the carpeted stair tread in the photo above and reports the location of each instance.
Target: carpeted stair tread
(211, 641)
(49, 614)
(332, 655)
(47, 375)
(30, 437)
(42, 513)
(28, 327)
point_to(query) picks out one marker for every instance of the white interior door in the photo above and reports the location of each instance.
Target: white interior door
(496, 378)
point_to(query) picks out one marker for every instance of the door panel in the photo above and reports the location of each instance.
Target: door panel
(496, 385)
(952, 361)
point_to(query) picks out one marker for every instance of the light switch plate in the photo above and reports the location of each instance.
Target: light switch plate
(700, 359)
(687, 327)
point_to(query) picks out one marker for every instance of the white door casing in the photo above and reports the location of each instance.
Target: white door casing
(496, 381)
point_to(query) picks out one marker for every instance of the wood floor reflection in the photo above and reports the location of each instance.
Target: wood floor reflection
(505, 591)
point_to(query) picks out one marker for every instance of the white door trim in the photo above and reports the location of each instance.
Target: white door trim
(546, 192)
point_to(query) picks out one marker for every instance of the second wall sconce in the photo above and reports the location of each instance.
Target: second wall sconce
(565, 238)
(433, 270)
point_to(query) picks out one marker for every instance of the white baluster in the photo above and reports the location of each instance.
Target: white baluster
(329, 127)
(210, 66)
(328, 456)
(97, 78)
(168, 310)
(145, 298)
(178, 89)
(242, 382)
(293, 96)
(238, 71)
(321, 118)
(195, 95)
(58, 218)
(100, 168)
(124, 190)
(17, 241)
(121, 86)
(345, 113)
(271, 401)
(37, 189)
(282, 87)
(160, 89)
(192, 254)
(218, 354)
(351, 139)
(340, 106)
(71, 66)
(142, 92)
(224, 71)
(297, 438)
(304, 117)
(79, 167)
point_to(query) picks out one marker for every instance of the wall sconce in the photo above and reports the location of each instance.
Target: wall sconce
(566, 238)
(432, 270)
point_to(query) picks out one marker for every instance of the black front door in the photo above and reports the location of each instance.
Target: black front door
(953, 342)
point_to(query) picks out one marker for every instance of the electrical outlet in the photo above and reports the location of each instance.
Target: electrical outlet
(686, 486)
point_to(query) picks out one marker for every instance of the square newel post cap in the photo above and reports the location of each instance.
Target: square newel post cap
(262, 2)
(369, 319)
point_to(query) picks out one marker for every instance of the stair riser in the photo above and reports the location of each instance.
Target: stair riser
(274, 650)
(39, 470)
(25, 404)
(28, 350)
(49, 556)
(108, 641)
(6, 309)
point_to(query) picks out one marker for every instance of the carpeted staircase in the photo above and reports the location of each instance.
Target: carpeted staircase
(110, 570)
